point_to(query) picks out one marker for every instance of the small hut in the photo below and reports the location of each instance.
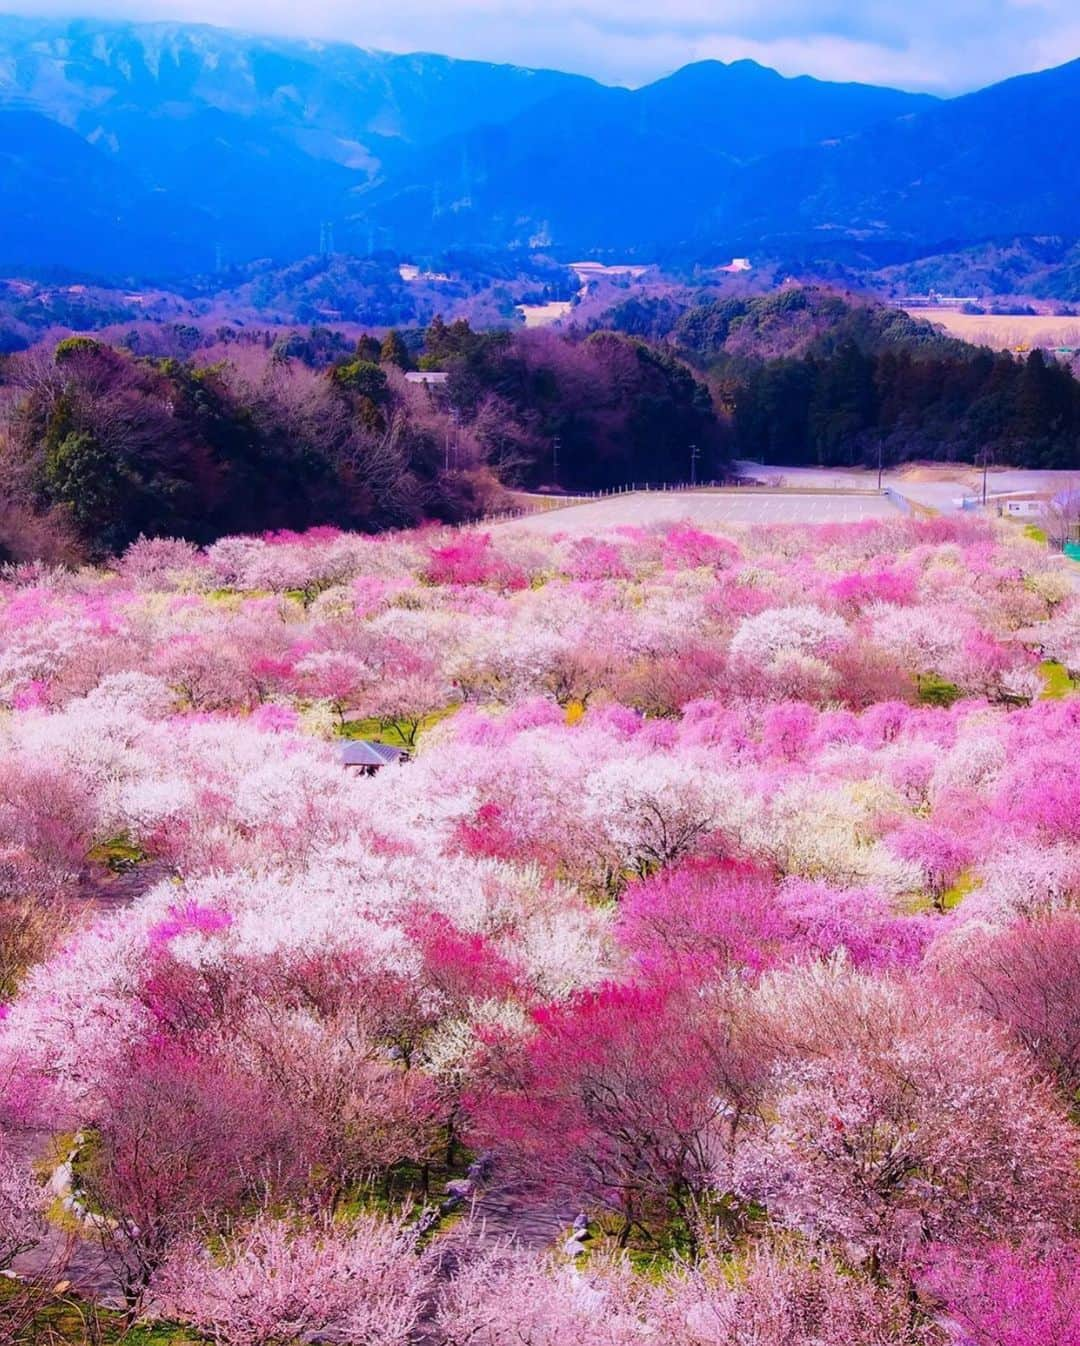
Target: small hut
(362, 755)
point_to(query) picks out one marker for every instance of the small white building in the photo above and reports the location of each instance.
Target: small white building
(411, 274)
(430, 377)
(1024, 504)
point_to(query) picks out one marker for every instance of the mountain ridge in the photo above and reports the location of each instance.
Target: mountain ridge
(260, 146)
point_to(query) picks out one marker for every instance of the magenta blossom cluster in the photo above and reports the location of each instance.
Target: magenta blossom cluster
(730, 902)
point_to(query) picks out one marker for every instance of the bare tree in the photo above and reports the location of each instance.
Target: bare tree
(1061, 515)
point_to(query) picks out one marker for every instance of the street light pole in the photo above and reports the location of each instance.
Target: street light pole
(880, 461)
(555, 461)
(986, 460)
(693, 464)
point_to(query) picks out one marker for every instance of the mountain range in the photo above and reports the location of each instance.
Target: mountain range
(165, 150)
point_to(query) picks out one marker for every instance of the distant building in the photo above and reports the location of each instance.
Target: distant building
(587, 271)
(1022, 504)
(411, 274)
(736, 265)
(368, 757)
(431, 377)
(1025, 508)
(935, 300)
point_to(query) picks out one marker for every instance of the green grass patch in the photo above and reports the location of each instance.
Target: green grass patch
(396, 733)
(305, 597)
(935, 691)
(668, 1242)
(952, 897)
(118, 853)
(65, 1320)
(1034, 533)
(1056, 681)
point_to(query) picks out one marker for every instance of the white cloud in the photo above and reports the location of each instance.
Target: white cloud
(945, 45)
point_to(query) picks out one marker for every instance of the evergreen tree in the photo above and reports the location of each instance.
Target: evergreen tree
(394, 351)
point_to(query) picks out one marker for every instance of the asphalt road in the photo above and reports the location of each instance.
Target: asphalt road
(943, 494)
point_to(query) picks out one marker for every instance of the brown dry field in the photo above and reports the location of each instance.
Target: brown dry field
(1005, 333)
(541, 315)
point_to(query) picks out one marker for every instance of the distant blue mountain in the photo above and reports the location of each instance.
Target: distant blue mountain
(259, 140)
(1004, 160)
(153, 149)
(67, 203)
(609, 168)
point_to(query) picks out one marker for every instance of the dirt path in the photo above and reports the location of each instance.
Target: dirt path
(100, 890)
(514, 1214)
(61, 1256)
(750, 506)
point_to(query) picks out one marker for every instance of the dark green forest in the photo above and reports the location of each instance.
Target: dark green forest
(246, 431)
(809, 376)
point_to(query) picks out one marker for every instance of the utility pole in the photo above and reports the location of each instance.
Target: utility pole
(880, 461)
(693, 464)
(555, 443)
(453, 418)
(986, 460)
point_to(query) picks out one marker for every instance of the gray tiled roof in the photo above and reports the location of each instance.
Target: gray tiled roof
(362, 752)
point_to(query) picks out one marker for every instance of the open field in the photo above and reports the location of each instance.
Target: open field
(808, 478)
(1004, 332)
(542, 315)
(706, 507)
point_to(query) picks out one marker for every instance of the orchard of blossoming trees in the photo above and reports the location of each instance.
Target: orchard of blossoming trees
(731, 900)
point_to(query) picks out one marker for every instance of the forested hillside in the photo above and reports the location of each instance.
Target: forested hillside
(101, 445)
(190, 433)
(811, 376)
(254, 431)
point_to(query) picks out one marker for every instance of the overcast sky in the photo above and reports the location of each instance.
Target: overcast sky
(942, 45)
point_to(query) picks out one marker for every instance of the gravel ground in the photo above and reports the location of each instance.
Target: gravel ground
(748, 506)
(942, 493)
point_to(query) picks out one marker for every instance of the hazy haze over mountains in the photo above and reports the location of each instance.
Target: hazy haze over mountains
(945, 47)
(160, 149)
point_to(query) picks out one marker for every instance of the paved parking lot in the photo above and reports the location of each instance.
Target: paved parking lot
(741, 507)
